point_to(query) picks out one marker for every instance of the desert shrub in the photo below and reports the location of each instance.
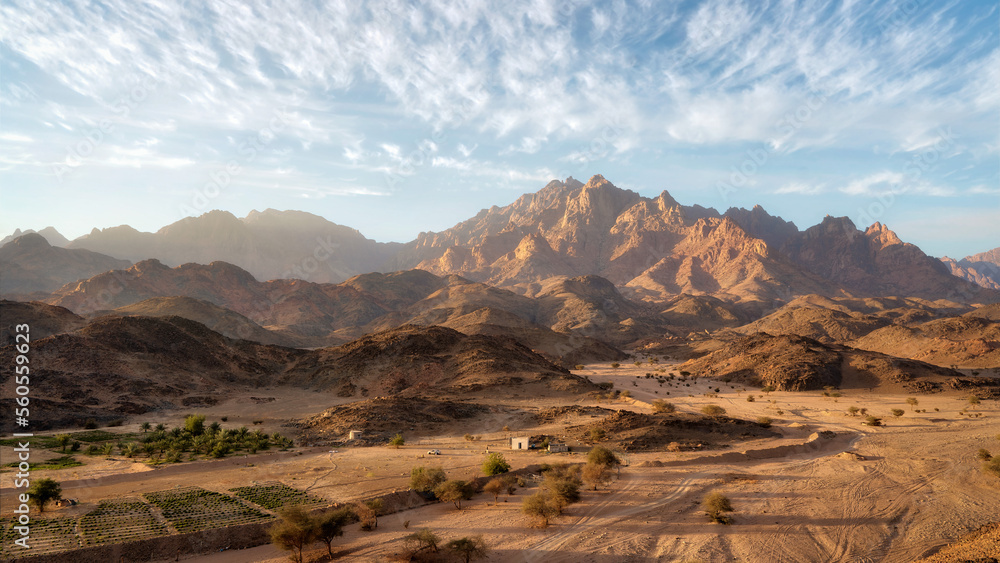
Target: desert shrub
(495, 487)
(626, 394)
(897, 412)
(540, 507)
(606, 385)
(768, 389)
(454, 491)
(659, 405)
(469, 438)
(368, 513)
(713, 410)
(984, 455)
(562, 487)
(993, 466)
(511, 482)
(578, 367)
(602, 456)
(764, 421)
(751, 398)
(424, 479)
(872, 420)
(469, 548)
(597, 434)
(595, 474)
(853, 411)
(397, 441)
(421, 540)
(495, 464)
(90, 424)
(912, 401)
(616, 365)
(716, 505)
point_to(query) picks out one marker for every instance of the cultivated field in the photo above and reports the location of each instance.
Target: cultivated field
(889, 493)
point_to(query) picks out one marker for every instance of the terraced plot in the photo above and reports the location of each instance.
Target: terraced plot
(191, 509)
(120, 520)
(274, 495)
(48, 535)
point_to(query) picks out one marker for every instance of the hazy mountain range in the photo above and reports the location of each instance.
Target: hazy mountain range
(651, 248)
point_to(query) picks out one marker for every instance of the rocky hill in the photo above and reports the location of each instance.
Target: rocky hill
(411, 360)
(796, 363)
(219, 319)
(30, 265)
(124, 365)
(43, 320)
(116, 366)
(969, 341)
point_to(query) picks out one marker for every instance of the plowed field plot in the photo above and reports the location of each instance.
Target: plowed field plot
(192, 509)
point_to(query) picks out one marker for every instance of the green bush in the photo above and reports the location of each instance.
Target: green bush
(495, 464)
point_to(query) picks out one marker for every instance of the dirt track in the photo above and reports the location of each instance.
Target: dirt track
(916, 486)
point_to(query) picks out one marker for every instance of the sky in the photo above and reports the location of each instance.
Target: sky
(400, 117)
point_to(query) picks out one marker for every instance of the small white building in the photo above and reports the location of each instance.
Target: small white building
(519, 443)
(354, 434)
(557, 448)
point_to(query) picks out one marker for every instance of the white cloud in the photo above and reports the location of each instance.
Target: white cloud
(896, 183)
(141, 157)
(801, 188)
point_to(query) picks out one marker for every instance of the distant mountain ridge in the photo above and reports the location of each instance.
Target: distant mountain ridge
(652, 249)
(982, 268)
(269, 244)
(29, 264)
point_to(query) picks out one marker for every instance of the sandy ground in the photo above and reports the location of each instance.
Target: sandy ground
(917, 487)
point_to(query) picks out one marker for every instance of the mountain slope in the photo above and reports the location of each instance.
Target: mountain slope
(270, 244)
(982, 269)
(30, 265)
(796, 363)
(118, 366)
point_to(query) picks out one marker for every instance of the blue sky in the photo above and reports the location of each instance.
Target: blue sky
(400, 117)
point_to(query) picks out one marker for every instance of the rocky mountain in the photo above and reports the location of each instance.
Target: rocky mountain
(30, 265)
(877, 263)
(982, 268)
(655, 248)
(54, 237)
(651, 249)
(796, 363)
(270, 244)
